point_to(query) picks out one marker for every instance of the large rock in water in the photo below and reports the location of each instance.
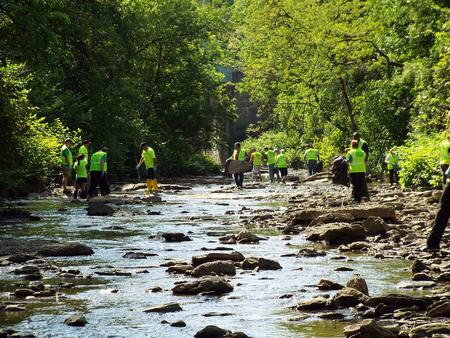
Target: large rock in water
(368, 328)
(214, 268)
(337, 233)
(313, 304)
(217, 256)
(251, 263)
(15, 214)
(99, 209)
(398, 301)
(358, 283)
(212, 331)
(349, 297)
(165, 308)
(213, 285)
(76, 320)
(46, 248)
(175, 237)
(359, 213)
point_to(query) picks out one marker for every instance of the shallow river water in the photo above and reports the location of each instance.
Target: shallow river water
(254, 307)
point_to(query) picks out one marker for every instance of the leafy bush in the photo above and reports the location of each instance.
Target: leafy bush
(30, 145)
(419, 160)
(200, 164)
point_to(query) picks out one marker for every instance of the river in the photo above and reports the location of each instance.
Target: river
(113, 305)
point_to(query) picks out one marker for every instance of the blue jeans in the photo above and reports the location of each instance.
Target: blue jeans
(271, 171)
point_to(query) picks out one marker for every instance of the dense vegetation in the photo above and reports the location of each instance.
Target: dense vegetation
(120, 72)
(323, 69)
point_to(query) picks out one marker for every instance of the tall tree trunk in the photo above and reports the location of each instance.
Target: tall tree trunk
(348, 104)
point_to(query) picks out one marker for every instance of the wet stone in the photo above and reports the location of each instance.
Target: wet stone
(212, 285)
(76, 320)
(178, 323)
(175, 237)
(165, 308)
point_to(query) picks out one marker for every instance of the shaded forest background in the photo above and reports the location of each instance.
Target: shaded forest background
(120, 72)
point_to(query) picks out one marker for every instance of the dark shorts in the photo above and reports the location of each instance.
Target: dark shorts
(283, 171)
(150, 174)
(81, 180)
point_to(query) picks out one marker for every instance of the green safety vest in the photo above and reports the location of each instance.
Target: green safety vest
(281, 161)
(445, 157)
(66, 156)
(80, 168)
(96, 161)
(357, 157)
(391, 160)
(240, 156)
(149, 158)
(257, 158)
(270, 157)
(312, 154)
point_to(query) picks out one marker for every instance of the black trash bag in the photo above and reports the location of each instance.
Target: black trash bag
(339, 171)
(319, 166)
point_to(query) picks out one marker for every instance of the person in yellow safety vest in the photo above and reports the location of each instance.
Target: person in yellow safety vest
(391, 161)
(239, 155)
(84, 149)
(357, 168)
(98, 168)
(270, 160)
(282, 165)
(149, 158)
(66, 160)
(257, 159)
(80, 168)
(312, 159)
(365, 147)
(444, 158)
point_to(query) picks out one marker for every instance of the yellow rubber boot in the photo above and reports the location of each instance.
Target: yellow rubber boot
(149, 185)
(155, 185)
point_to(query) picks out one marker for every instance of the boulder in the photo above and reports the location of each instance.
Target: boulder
(251, 263)
(375, 226)
(48, 248)
(398, 301)
(165, 308)
(326, 285)
(175, 237)
(358, 283)
(359, 213)
(16, 215)
(212, 331)
(214, 268)
(178, 323)
(336, 217)
(349, 297)
(428, 330)
(246, 237)
(337, 233)
(313, 304)
(22, 293)
(217, 256)
(25, 270)
(311, 252)
(76, 320)
(179, 268)
(441, 309)
(213, 285)
(97, 208)
(368, 328)
(418, 266)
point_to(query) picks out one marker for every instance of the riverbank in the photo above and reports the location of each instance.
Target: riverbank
(150, 252)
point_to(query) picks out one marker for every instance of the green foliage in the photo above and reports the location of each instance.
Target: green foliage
(124, 72)
(325, 69)
(419, 161)
(199, 164)
(30, 144)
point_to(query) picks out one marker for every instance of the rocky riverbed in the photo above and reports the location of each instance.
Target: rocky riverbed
(204, 259)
